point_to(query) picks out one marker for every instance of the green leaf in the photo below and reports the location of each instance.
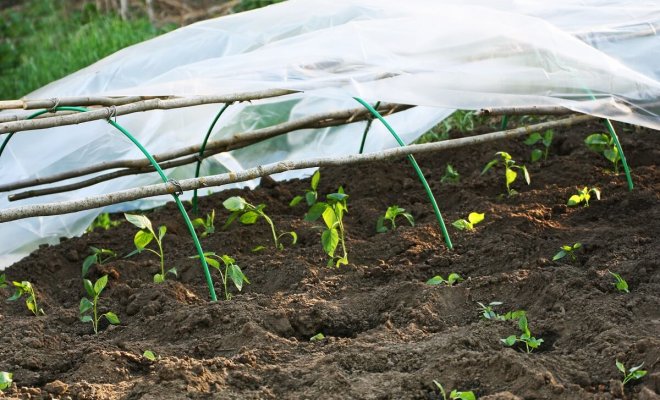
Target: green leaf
(488, 166)
(89, 288)
(142, 239)
(506, 156)
(561, 254)
(315, 179)
(86, 318)
(462, 224)
(6, 379)
(338, 197)
(257, 248)
(111, 317)
(235, 203)
(410, 218)
(510, 176)
(236, 275)
(295, 201)
(596, 192)
(474, 218)
(574, 200)
(316, 211)
(330, 240)
(522, 324)
(85, 305)
(140, 221)
(453, 278)
(249, 218)
(612, 155)
(533, 139)
(509, 341)
(88, 262)
(547, 138)
(577, 245)
(317, 337)
(197, 222)
(528, 179)
(436, 280)
(380, 225)
(172, 271)
(620, 367)
(597, 142)
(294, 237)
(536, 155)
(149, 355)
(227, 259)
(159, 278)
(310, 197)
(212, 262)
(100, 284)
(161, 232)
(329, 217)
(464, 396)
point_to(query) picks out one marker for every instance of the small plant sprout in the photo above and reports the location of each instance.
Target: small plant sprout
(88, 306)
(604, 144)
(390, 215)
(3, 281)
(567, 250)
(633, 373)
(510, 166)
(206, 223)
(142, 239)
(26, 288)
(546, 141)
(620, 283)
(583, 196)
(525, 337)
(98, 256)
(6, 379)
(103, 221)
(311, 195)
(317, 338)
(439, 280)
(248, 214)
(150, 355)
(487, 311)
(232, 271)
(473, 219)
(451, 175)
(332, 211)
(454, 394)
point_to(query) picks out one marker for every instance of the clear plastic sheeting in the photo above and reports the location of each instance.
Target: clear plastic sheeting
(596, 57)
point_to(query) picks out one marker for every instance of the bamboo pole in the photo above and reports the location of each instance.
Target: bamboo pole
(29, 104)
(140, 106)
(238, 140)
(269, 169)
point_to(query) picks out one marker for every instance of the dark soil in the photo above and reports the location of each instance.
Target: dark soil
(388, 333)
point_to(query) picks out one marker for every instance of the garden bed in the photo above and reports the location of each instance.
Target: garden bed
(388, 335)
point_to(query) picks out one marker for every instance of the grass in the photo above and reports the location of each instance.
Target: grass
(44, 40)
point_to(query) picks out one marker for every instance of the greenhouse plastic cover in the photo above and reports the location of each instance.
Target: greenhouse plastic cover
(594, 56)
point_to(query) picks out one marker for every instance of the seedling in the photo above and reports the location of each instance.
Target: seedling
(207, 224)
(248, 214)
(26, 288)
(150, 355)
(142, 239)
(103, 221)
(526, 337)
(604, 144)
(98, 256)
(510, 166)
(317, 338)
(454, 394)
(583, 196)
(567, 250)
(487, 312)
(633, 373)
(439, 280)
(620, 283)
(546, 141)
(473, 219)
(3, 281)
(232, 271)
(390, 215)
(5, 380)
(451, 175)
(332, 211)
(311, 195)
(87, 305)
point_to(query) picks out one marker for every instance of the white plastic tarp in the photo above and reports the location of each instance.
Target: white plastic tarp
(597, 57)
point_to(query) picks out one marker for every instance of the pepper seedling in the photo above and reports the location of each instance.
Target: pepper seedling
(473, 219)
(633, 373)
(510, 175)
(26, 288)
(546, 141)
(526, 337)
(103, 221)
(439, 280)
(248, 214)
(87, 305)
(98, 257)
(454, 394)
(6, 378)
(207, 223)
(232, 271)
(620, 283)
(150, 355)
(583, 196)
(567, 250)
(487, 312)
(332, 211)
(451, 175)
(390, 215)
(317, 338)
(311, 195)
(145, 236)
(603, 143)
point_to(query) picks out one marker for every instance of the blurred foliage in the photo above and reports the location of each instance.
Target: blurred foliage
(246, 5)
(462, 121)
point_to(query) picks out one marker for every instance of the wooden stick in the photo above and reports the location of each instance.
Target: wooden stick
(140, 106)
(530, 110)
(141, 165)
(282, 166)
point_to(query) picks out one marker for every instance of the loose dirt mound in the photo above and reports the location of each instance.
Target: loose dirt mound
(388, 334)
